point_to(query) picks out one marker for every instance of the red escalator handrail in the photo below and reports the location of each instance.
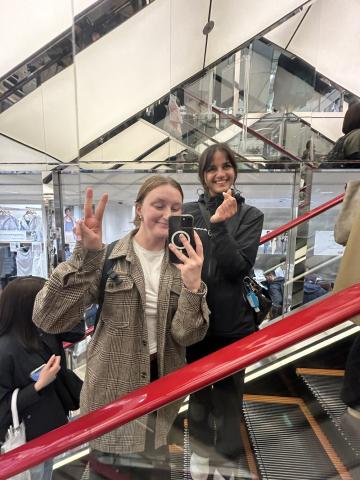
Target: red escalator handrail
(300, 325)
(302, 218)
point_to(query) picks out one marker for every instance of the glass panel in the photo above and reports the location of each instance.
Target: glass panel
(23, 232)
(290, 410)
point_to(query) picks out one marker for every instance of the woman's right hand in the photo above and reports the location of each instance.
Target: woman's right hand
(48, 373)
(226, 210)
(89, 230)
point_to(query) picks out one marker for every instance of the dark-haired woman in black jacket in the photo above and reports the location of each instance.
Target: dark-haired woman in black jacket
(23, 348)
(230, 232)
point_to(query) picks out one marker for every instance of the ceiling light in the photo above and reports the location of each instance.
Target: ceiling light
(208, 27)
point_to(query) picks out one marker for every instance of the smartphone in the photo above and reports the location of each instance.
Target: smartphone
(35, 374)
(180, 224)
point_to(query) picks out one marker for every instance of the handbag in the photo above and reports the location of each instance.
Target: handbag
(15, 436)
(348, 213)
(258, 298)
(68, 387)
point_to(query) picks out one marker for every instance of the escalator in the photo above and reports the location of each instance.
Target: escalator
(292, 425)
(97, 120)
(287, 435)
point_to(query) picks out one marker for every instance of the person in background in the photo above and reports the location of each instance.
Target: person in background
(230, 231)
(152, 310)
(348, 146)
(267, 245)
(275, 286)
(312, 288)
(69, 224)
(309, 152)
(23, 348)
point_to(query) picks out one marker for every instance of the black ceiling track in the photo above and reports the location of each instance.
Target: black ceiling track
(207, 30)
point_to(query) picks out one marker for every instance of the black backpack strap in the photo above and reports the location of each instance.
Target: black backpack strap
(205, 214)
(107, 272)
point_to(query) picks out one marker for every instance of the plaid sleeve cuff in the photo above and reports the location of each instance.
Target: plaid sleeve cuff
(196, 300)
(88, 260)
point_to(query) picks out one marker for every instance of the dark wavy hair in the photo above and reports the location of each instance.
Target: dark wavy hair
(207, 157)
(352, 118)
(16, 309)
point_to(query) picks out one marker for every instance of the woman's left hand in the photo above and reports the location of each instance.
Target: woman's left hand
(192, 265)
(226, 210)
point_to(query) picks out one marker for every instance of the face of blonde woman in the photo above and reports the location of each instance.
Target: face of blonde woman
(156, 208)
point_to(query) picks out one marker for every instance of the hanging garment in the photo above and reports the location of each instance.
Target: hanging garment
(24, 262)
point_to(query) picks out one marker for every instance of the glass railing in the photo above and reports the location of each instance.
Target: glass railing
(293, 133)
(220, 106)
(298, 262)
(188, 118)
(290, 283)
(89, 26)
(293, 423)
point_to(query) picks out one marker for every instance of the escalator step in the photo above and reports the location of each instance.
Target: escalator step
(285, 445)
(326, 389)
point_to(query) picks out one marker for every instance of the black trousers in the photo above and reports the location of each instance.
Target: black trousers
(215, 412)
(350, 393)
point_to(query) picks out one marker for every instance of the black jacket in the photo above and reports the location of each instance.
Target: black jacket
(41, 411)
(230, 250)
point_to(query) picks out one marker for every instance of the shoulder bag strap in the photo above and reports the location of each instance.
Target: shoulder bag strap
(14, 410)
(205, 214)
(105, 274)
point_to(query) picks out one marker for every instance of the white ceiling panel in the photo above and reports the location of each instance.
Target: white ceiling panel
(187, 21)
(128, 69)
(46, 118)
(237, 21)
(124, 71)
(27, 25)
(328, 39)
(127, 145)
(14, 153)
(31, 24)
(163, 153)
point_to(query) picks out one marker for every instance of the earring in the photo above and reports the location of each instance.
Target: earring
(140, 217)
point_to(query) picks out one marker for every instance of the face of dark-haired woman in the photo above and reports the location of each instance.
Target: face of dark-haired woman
(220, 174)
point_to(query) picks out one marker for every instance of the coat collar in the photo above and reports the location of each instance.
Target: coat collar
(124, 248)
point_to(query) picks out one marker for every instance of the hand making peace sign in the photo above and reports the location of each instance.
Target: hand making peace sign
(88, 231)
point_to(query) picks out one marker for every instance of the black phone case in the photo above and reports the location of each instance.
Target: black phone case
(178, 224)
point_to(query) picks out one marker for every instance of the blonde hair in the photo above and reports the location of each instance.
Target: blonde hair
(150, 184)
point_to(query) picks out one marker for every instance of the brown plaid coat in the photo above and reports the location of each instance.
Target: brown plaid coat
(118, 354)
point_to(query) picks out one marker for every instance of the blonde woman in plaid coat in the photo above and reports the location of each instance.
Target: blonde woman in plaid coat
(118, 359)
